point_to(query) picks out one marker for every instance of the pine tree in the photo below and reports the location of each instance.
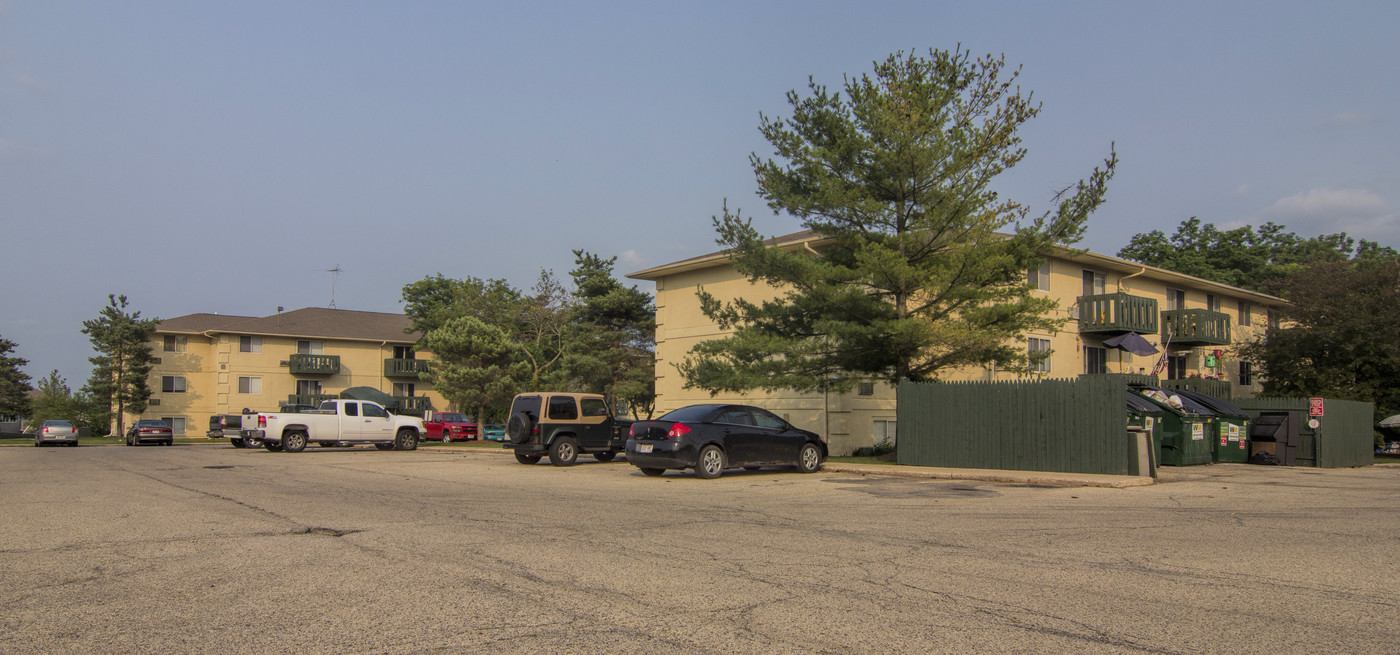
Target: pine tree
(122, 341)
(612, 336)
(14, 383)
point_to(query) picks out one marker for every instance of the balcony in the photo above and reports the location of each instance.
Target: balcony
(314, 364)
(312, 399)
(1195, 327)
(1217, 388)
(1117, 313)
(411, 405)
(405, 368)
(1128, 378)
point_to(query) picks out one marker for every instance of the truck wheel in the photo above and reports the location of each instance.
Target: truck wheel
(274, 447)
(528, 460)
(407, 440)
(520, 428)
(563, 452)
(710, 464)
(237, 443)
(294, 442)
(606, 456)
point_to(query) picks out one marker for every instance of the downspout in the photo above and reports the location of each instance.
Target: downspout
(808, 247)
(1125, 278)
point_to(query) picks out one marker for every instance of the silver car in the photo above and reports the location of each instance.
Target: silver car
(56, 432)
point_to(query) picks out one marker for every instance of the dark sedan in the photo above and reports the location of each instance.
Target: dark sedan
(711, 438)
(149, 431)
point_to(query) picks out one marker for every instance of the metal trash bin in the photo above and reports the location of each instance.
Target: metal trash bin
(1231, 439)
(1186, 430)
(1148, 416)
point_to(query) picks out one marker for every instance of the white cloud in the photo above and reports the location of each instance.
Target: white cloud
(1242, 190)
(630, 258)
(1358, 212)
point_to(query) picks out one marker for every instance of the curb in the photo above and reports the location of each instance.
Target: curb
(1037, 478)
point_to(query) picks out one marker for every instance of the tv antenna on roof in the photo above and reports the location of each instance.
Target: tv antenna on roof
(334, 272)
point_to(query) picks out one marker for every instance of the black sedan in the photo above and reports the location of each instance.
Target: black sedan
(711, 438)
(149, 431)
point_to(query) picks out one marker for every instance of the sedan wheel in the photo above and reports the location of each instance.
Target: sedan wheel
(809, 459)
(710, 464)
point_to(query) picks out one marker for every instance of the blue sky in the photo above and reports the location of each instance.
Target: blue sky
(220, 156)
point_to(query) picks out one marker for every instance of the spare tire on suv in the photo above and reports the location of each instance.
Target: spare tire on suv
(520, 428)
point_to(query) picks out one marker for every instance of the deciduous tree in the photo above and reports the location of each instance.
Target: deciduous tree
(122, 341)
(922, 267)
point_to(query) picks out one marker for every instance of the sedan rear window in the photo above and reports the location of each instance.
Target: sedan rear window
(692, 413)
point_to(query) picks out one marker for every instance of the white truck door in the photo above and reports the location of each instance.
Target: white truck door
(377, 424)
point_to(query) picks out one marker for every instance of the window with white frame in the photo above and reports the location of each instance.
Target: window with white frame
(248, 384)
(1039, 277)
(176, 423)
(1095, 360)
(1245, 310)
(1094, 283)
(403, 389)
(884, 431)
(250, 344)
(308, 347)
(172, 384)
(308, 387)
(1039, 352)
(175, 343)
(1176, 299)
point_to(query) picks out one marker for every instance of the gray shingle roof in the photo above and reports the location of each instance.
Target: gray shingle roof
(310, 322)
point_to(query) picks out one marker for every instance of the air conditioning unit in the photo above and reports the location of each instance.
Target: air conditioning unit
(1074, 312)
(285, 362)
(153, 402)
(155, 360)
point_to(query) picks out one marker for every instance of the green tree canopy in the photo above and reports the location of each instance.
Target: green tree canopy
(123, 361)
(1343, 335)
(14, 383)
(612, 336)
(1245, 257)
(475, 365)
(56, 400)
(917, 273)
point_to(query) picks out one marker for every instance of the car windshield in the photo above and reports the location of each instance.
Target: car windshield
(455, 418)
(691, 413)
(57, 424)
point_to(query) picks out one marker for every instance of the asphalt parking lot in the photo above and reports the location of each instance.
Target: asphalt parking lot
(214, 549)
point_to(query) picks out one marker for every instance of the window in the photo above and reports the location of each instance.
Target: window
(172, 384)
(867, 389)
(176, 423)
(352, 409)
(1039, 352)
(1246, 374)
(562, 408)
(735, 416)
(307, 347)
(768, 420)
(374, 411)
(1093, 283)
(250, 344)
(308, 387)
(1176, 367)
(1272, 318)
(1244, 313)
(403, 389)
(175, 344)
(1176, 299)
(1095, 360)
(250, 385)
(1212, 303)
(403, 352)
(594, 407)
(884, 431)
(1039, 277)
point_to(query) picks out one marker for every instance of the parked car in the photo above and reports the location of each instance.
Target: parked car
(493, 432)
(336, 422)
(711, 438)
(564, 425)
(149, 431)
(448, 426)
(56, 431)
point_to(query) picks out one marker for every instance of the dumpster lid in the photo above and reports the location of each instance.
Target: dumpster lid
(1217, 405)
(1188, 406)
(1137, 403)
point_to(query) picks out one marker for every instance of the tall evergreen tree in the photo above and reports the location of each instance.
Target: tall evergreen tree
(122, 341)
(915, 274)
(613, 336)
(14, 383)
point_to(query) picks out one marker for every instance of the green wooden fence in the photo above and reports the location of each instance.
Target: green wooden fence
(1345, 433)
(1074, 426)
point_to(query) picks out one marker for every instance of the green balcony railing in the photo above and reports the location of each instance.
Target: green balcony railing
(1128, 378)
(1195, 327)
(312, 399)
(411, 405)
(1217, 388)
(1117, 313)
(404, 368)
(314, 364)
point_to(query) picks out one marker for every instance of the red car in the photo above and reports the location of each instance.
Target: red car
(449, 426)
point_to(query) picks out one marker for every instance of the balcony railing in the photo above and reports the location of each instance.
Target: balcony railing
(1128, 378)
(1195, 327)
(314, 364)
(312, 399)
(1117, 313)
(411, 405)
(1217, 388)
(404, 368)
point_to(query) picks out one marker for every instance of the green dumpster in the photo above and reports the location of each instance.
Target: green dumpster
(1187, 427)
(1231, 439)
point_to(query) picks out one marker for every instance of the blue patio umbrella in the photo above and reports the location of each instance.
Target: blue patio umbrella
(1131, 342)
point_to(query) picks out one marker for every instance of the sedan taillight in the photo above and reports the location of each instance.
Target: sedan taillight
(677, 431)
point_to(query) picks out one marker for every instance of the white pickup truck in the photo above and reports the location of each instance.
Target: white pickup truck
(335, 422)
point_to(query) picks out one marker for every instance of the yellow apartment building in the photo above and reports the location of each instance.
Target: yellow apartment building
(1197, 321)
(209, 364)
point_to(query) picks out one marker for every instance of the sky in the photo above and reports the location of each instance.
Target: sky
(222, 156)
